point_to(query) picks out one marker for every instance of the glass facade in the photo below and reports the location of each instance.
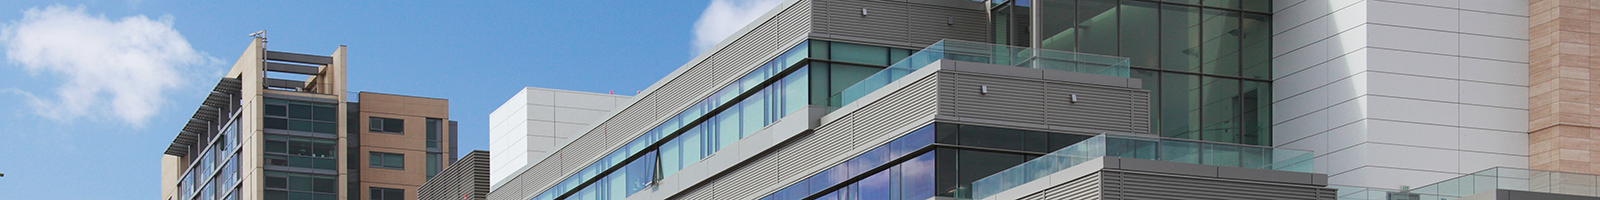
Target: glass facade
(936, 160)
(301, 137)
(1207, 63)
(1138, 147)
(286, 185)
(948, 160)
(215, 173)
(301, 116)
(801, 76)
(303, 152)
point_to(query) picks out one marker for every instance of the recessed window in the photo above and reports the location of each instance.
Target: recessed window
(301, 116)
(387, 160)
(379, 193)
(291, 151)
(435, 127)
(289, 185)
(386, 125)
(433, 164)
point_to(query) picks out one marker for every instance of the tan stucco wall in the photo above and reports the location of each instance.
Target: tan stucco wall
(414, 111)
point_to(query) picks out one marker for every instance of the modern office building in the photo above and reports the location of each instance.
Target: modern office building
(467, 179)
(537, 121)
(1047, 99)
(281, 125)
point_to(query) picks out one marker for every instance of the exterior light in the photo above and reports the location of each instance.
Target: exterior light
(983, 89)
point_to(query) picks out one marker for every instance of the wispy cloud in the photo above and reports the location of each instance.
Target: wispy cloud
(124, 66)
(724, 17)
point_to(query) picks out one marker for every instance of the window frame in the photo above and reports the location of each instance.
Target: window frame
(434, 133)
(371, 191)
(380, 160)
(381, 125)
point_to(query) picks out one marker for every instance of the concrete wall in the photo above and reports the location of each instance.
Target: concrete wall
(1394, 93)
(537, 122)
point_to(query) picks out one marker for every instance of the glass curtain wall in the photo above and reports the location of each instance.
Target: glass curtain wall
(215, 173)
(936, 160)
(1207, 63)
(301, 137)
(1010, 21)
(804, 75)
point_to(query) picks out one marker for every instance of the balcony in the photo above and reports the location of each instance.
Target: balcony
(1149, 148)
(985, 53)
(1488, 180)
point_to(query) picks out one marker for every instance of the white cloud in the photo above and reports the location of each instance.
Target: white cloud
(119, 69)
(725, 17)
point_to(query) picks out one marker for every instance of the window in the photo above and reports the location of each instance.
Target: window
(286, 185)
(301, 116)
(386, 125)
(387, 160)
(434, 128)
(300, 152)
(433, 164)
(1207, 64)
(379, 193)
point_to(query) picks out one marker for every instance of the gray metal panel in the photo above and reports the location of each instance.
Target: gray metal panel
(1086, 187)
(291, 68)
(1526, 195)
(1010, 102)
(284, 83)
(803, 156)
(299, 58)
(896, 23)
(1144, 185)
(743, 54)
(468, 179)
(931, 23)
(1019, 101)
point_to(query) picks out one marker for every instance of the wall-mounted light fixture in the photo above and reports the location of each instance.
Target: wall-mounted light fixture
(863, 12)
(983, 89)
(1074, 98)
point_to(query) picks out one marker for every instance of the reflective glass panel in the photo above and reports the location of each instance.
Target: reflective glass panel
(1098, 26)
(1180, 38)
(1140, 33)
(1220, 31)
(1221, 107)
(1180, 106)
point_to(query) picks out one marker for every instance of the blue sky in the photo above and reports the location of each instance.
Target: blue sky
(96, 90)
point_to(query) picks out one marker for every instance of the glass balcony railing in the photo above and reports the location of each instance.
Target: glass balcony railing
(985, 53)
(1498, 178)
(1126, 146)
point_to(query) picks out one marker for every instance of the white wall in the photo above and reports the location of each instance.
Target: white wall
(539, 121)
(1394, 93)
